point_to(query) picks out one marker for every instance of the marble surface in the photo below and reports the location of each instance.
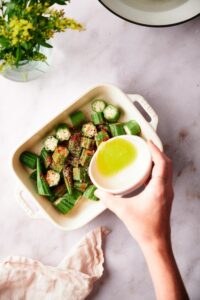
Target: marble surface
(161, 64)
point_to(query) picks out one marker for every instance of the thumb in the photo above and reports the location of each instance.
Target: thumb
(111, 201)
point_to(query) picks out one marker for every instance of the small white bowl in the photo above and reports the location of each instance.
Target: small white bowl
(131, 177)
(155, 13)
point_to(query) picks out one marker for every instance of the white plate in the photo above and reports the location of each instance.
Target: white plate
(154, 12)
(85, 210)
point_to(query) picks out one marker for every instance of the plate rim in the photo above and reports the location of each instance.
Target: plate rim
(147, 25)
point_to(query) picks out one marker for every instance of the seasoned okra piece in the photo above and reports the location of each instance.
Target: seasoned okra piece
(104, 127)
(89, 193)
(132, 127)
(102, 136)
(46, 158)
(79, 174)
(67, 202)
(117, 129)
(86, 157)
(67, 175)
(52, 178)
(73, 161)
(87, 143)
(111, 113)
(57, 192)
(62, 132)
(50, 143)
(98, 105)
(59, 157)
(42, 185)
(80, 186)
(28, 159)
(89, 130)
(75, 144)
(77, 119)
(97, 118)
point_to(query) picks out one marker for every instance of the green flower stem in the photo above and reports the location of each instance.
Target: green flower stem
(27, 25)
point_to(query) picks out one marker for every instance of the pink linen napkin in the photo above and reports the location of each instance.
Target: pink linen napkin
(26, 279)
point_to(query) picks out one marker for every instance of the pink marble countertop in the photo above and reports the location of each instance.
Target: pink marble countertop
(163, 65)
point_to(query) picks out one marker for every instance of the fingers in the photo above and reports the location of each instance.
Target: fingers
(112, 202)
(162, 164)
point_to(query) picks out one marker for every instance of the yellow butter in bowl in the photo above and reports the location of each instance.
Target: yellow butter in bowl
(114, 156)
(121, 164)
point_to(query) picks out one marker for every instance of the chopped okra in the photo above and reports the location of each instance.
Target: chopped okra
(60, 171)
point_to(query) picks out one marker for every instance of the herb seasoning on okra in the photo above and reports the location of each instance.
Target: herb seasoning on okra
(60, 170)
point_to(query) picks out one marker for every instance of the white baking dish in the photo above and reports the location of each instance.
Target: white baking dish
(85, 210)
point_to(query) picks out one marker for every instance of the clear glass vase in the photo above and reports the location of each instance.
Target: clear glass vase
(29, 70)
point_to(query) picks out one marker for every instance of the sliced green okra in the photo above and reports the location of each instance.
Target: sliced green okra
(87, 143)
(102, 136)
(29, 159)
(117, 129)
(42, 185)
(74, 145)
(46, 158)
(85, 158)
(77, 119)
(89, 193)
(68, 178)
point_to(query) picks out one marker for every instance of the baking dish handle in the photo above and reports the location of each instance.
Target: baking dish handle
(148, 109)
(25, 204)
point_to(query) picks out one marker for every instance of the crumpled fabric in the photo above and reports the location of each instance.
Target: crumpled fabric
(26, 279)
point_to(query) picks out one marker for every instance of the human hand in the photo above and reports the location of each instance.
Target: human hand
(147, 215)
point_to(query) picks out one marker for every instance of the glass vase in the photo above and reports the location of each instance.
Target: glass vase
(29, 70)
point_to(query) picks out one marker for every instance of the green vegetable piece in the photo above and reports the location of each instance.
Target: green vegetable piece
(117, 129)
(73, 161)
(89, 193)
(42, 186)
(87, 143)
(59, 158)
(79, 174)
(77, 119)
(102, 136)
(89, 130)
(57, 192)
(104, 127)
(86, 157)
(50, 143)
(98, 105)
(132, 127)
(46, 158)
(68, 178)
(111, 113)
(80, 186)
(33, 175)
(74, 145)
(28, 159)
(97, 118)
(67, 202)
(62, 132)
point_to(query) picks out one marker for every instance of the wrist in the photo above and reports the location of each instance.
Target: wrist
(157, 245)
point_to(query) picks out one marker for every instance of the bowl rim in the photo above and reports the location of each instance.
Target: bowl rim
(149, 25)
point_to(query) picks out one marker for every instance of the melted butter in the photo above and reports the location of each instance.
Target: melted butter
(114, 156)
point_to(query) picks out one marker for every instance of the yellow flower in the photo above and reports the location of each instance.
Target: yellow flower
(19, 30)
